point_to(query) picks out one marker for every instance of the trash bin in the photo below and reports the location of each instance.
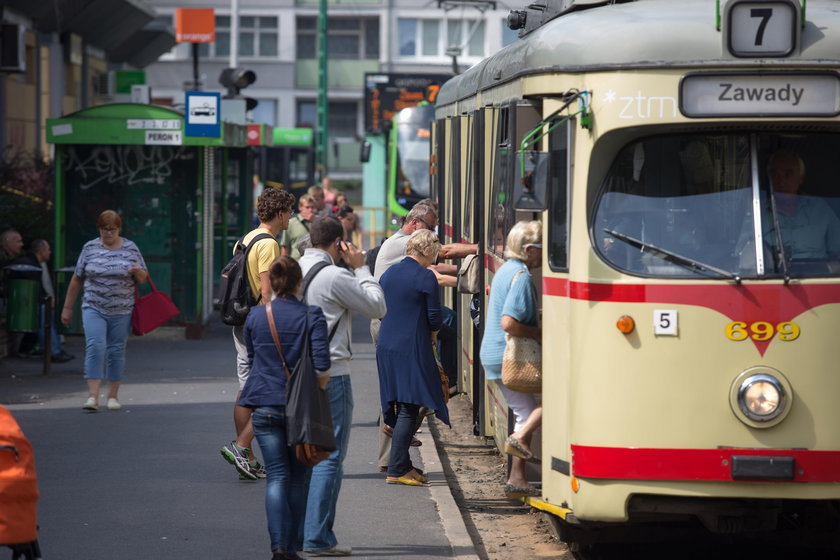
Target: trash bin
(23, 285)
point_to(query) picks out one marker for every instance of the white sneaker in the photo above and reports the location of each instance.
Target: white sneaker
(90, 404)
(114, 404)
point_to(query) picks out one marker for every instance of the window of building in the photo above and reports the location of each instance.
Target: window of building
(258, 37)
(349, 39)
(342, 118)
(265, 112)
(436, 38)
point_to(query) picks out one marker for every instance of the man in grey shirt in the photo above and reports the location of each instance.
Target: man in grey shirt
(338, 292)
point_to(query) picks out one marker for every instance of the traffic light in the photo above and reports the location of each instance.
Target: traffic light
(235, 79)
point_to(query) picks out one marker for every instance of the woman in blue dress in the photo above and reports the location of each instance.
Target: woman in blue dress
(408, 374)
(512, 309)
(265, 393)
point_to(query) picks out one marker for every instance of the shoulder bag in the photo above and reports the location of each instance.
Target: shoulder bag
(309, 425)
(522, 361)
(151, 311)
(468, 275)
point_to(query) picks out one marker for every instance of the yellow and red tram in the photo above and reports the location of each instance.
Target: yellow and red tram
(690, 290)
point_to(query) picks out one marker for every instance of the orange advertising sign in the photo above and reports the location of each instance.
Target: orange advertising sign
(195, 25)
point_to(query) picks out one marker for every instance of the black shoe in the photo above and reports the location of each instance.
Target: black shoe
(62, 357)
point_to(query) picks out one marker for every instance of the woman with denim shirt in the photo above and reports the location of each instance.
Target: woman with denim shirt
(265, 393)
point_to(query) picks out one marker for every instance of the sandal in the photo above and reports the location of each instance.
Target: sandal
(513, 447)
(411, 478)
(514, 492)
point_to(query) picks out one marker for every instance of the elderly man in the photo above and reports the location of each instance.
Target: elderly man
(11, 246)
(809, 227)
(39, 255)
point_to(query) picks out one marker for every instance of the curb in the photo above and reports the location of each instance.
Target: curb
(450, 515)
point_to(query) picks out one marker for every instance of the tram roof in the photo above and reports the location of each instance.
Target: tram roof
(639, 35)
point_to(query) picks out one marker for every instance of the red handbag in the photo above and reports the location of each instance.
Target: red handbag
(151, 311)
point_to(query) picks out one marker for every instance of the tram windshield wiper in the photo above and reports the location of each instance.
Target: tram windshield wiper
(674, 257)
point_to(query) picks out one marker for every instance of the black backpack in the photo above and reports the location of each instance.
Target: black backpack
(235, 296)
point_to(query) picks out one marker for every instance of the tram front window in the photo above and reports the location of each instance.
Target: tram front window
(682, 206)
(413, 152)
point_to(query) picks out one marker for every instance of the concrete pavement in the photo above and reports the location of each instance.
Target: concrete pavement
(148, 481)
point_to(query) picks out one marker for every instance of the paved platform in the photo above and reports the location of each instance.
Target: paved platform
(149, 482)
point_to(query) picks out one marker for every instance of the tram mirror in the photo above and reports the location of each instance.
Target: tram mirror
(364, 154)
(530, 187)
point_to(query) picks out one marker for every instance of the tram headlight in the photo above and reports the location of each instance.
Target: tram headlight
(761, 397)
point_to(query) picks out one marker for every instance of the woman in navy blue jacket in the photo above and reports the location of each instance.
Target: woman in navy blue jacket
(408, 374)
(265, 394)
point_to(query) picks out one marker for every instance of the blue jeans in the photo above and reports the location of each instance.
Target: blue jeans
(286, 479)
(400, 461)
(327, 475)
(105, 338)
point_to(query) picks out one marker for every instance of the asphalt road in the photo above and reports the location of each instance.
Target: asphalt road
(148, 481)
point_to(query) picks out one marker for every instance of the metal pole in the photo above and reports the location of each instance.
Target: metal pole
(323, 103)
(195, 84)
(234, 33)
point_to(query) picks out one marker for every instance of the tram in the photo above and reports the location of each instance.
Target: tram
(689, 301)
(408, 160)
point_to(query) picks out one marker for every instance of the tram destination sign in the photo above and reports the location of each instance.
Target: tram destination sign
(760, 95)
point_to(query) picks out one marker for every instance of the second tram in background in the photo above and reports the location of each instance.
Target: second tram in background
(408, 180)
(683, 159)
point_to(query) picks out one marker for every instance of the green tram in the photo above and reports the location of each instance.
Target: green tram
(409, 146)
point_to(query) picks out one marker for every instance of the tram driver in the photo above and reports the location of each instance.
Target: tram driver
(809, 227)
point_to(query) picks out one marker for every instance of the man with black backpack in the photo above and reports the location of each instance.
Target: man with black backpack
(274, 209)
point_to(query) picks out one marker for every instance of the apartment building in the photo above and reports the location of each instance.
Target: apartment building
(278, 41)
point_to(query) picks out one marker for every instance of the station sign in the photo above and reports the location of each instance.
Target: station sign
(385, 94)
(202, 114)
(764, 94)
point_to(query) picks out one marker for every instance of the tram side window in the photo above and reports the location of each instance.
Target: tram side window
(501, 210)
(558, 256)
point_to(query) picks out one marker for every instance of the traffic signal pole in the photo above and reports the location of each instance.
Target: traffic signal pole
(323, 103)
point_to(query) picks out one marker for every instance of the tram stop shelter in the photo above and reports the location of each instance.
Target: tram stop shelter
(183, 200)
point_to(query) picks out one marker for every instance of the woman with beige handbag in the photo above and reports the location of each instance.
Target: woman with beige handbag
(511, 343)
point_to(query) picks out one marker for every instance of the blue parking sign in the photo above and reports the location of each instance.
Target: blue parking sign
(202, 114)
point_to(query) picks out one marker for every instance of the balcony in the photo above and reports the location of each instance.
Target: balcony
(341, 74)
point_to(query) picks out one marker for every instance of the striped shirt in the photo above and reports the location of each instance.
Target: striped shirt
(109, 287)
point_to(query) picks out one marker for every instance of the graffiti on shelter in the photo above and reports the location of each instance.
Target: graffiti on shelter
(122, 165)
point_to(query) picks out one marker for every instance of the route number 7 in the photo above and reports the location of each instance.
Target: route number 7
(760, 28)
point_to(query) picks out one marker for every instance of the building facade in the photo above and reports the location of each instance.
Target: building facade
(61, 57)
(278, 41)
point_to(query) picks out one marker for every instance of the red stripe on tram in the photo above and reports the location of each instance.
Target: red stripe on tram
(627, 463)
